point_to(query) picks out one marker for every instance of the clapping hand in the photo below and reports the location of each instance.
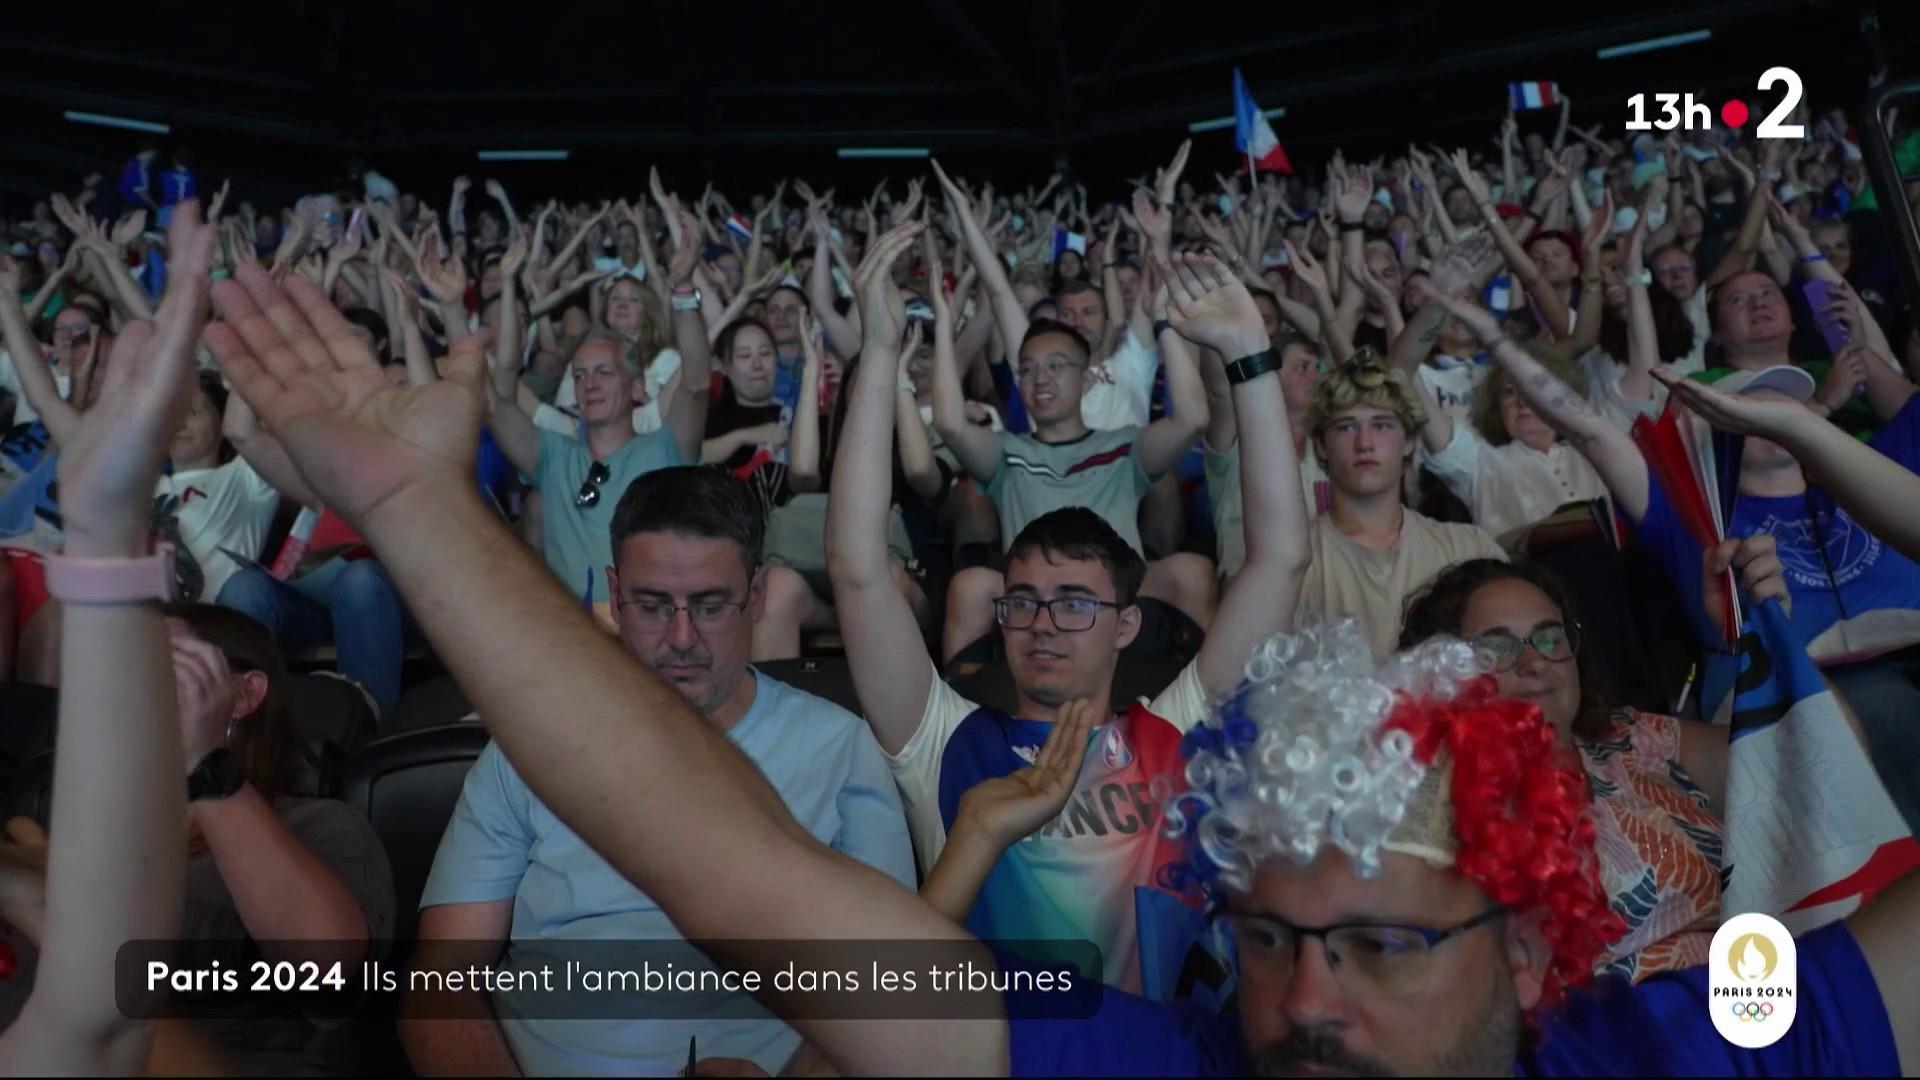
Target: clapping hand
(1006, 809)
(1211, 307)
(110, 464)
(361, 443)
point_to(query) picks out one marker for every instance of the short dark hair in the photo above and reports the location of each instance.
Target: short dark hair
(1074, 286)
(1441, 608)
(693, 500)
(1075, 532)
(1038, 327)
(804, 302)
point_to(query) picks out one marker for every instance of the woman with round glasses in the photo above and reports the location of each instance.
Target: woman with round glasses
(1658, 783)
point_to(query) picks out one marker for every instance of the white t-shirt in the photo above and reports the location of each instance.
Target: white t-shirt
(228, 507)
(1075, 877)
(24, 413)
(1120, 391)
(1453, 380)
(562, 416)
(1512, 486)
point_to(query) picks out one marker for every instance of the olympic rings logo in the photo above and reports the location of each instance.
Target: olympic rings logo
(1754, 1011)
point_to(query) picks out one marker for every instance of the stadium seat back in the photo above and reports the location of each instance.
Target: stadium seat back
(407, 784)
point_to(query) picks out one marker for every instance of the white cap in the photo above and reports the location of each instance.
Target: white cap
(1781, 378)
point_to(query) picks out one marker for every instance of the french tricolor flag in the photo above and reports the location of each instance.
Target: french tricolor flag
(1252, 135)
(1533, 95)
(738, 226)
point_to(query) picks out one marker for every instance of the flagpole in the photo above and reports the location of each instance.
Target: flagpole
(1253, 178)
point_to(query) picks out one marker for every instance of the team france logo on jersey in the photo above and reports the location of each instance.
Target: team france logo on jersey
(1113, 749)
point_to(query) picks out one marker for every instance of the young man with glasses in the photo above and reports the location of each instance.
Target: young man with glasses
(687, 586)
(1064, 463)
(580, 479)
(1069, 605)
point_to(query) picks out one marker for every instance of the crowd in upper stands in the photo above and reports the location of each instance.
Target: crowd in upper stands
(1047, 471)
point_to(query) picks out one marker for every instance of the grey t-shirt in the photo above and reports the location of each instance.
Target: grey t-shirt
(1100, 471)
(281, 1042)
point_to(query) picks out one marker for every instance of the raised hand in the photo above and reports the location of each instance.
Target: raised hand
(1462, 267)
(1007, 808)
(445, 278)
(128, 229)
(1352, 188)
(1155, 221)
(1477, 318)
(496, 192)
(360, 442)
(1476, 185)
(219, 202)
(1307, 268)
(110, 464)
(1166, 182)
(460, 185)
(1595, 234)
(1210, 306)
(883, 315)
(1742, 414)
(961, 204)
(516, 254)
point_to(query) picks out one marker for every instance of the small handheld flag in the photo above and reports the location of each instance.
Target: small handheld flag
(738, 226)
(1532, 95)
(1064, 241)
(1252, 135)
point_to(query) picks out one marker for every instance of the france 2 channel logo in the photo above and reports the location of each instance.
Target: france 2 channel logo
(1680, 112)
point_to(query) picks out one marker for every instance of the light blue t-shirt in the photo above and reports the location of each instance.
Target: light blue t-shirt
(504, 843)
(577, 543)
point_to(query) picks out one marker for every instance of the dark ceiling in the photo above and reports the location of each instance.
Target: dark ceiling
(283, 95)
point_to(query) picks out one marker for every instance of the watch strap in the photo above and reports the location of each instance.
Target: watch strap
(1161, 326)
(217, 776)
(84, 580)
(1254, 366)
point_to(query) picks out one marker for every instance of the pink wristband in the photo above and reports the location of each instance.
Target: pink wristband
(77, 580)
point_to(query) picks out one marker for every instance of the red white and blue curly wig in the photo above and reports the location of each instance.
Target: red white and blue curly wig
(1320, 745)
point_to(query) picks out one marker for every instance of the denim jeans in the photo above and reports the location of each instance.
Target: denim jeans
(352, 604)
(1886, 697)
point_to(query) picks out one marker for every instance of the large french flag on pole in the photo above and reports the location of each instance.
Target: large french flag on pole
(1252, 135)
(1811, 833)
(1533, 95)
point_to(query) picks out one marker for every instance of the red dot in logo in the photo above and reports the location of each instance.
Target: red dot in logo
(1734, 113)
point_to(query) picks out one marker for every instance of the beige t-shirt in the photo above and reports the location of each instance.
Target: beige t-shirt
(1348, 579)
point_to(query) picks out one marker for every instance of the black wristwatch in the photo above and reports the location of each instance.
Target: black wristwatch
(218, 776)
(1160, 326)
(1252, 367)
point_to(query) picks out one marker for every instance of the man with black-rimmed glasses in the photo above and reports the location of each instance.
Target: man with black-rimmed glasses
(1066, 608)
(687, 585)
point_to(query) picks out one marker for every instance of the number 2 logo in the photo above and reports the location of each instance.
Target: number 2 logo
(1771, 127)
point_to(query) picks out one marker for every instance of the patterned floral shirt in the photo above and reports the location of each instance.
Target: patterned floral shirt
(1659, 845)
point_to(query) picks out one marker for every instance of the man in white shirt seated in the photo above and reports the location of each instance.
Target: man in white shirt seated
(512, 881)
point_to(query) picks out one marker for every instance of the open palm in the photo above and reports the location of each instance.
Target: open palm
(111, 460)
(1010, 807)
(1210, 305)
(357, 439)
